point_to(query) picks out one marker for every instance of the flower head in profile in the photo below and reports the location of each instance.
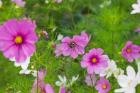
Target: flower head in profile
(73, 46)
(128, 82)
(131, 51)
(90, 80)
(95, 61)
(19, 3)
(136, 7)
(17, 39)
(39, 83)
(103, 85)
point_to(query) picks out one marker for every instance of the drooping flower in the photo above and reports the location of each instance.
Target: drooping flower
(90, 80)
(73, 46)
(17, 39)
(39, 83)
(19, 3)
(95, 61)
(136, 7)
(103, 85)
(131, 51)
(128, 82)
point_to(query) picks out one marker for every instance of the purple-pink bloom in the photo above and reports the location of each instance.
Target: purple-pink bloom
(131, 51)
(18, 38)
(90, 80)
(103, 85)
(95, 61)
(19, 3)
(40, 85)
(73, 46)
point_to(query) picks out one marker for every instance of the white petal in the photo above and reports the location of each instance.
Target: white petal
(131, 73)
(25, 71)
(123, 80)
(58, 83)
(119, 90)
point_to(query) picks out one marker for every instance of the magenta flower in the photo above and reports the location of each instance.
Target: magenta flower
(103, 85)
(19, 3)
(39, 84)
(90, 80)
(131, 51)
(95, 61)
(17, 39)
(73, 46)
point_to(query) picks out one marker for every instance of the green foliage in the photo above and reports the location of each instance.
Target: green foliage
(110, 28)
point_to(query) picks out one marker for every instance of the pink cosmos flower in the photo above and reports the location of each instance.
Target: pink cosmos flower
(90, 80)
(73, 46)
(19, 3)
(103, 85)
(39, 83)
(131, 51)
(17, 39)
(95, 61)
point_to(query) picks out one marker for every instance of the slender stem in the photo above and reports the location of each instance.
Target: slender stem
(92, 83)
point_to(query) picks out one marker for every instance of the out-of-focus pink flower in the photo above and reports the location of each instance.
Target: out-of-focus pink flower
(131, 51)
(73, 46)
(17, 39)
(103, 85)
(19, 3)
(40, 85)
(90, 80)
(95, 61)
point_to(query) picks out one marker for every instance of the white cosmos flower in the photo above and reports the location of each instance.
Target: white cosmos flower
(24, 65)
(136, 7)
(111, 69)
(62, 81)
(128, 82)
(118, 72)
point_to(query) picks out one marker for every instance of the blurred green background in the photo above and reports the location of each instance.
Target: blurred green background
(110, 25)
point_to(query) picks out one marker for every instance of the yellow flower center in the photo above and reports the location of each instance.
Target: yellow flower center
(104, 86)
(18, 40)
(128, 50)
(94, 60)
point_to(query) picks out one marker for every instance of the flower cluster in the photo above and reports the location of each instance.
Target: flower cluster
(17, 43)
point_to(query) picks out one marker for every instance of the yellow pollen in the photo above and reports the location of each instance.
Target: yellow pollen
(128, 50)
(94, 60)
(104, 86)
(18, 40)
